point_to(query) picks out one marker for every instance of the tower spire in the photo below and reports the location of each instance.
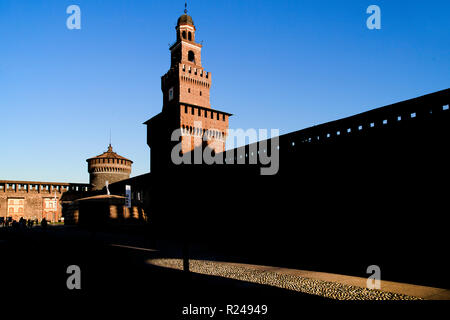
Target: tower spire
(110, 146)
(185, 7)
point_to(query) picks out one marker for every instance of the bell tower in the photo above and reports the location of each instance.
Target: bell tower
(186, 81)
(186, 101)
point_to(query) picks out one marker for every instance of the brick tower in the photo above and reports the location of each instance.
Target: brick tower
(108, 166)
(186, 102)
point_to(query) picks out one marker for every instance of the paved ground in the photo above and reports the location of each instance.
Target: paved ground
(327, 285)
(116, 275)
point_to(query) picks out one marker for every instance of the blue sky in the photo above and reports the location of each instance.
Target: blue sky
(275, 64)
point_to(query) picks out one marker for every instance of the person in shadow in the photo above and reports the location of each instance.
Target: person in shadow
(22, 224)
(44, 224)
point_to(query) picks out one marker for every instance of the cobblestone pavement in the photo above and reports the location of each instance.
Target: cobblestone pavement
(322, 288)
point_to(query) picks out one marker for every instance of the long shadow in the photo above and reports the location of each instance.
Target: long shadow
(34, 266)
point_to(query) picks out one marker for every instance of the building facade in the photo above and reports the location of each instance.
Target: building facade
(37, 200)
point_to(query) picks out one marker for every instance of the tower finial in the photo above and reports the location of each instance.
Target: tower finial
(185, 7)
(109, 147)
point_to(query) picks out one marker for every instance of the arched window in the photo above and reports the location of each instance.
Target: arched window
(191, 56)
(20, 210)
(184, 34)
(11, 210)
(189, 36)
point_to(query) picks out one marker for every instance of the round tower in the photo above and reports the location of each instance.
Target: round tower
(109, 166)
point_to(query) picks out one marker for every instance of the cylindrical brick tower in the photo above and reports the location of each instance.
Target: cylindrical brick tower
(108, 166)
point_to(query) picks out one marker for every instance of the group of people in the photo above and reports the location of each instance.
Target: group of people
(22, 223)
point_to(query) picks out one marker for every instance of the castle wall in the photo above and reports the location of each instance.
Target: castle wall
(104, 209)
(368, 189)
(199, 122)
(35, 200)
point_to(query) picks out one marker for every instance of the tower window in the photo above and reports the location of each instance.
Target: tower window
(184, 34)
(191, 56)
(189, 36)
(200, 93)
(189, 90)
(170, 94)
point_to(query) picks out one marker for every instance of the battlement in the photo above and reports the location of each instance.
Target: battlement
(189, 74)
(202, 113)
(388, 120)
(37, 200)
(192, 71)
(12, 186)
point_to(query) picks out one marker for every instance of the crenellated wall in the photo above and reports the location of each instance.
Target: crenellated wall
(36, 200)
(406, 119)
(186, 83)
(199, 124)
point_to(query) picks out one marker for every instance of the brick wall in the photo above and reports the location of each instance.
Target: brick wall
(33, 195)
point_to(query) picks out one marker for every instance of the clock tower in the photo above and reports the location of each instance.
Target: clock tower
(186, 102)
(186, 81)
